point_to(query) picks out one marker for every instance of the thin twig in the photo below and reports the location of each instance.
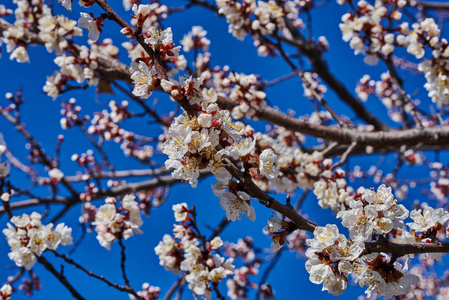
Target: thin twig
(60, 276)
(122, 261)
(219, 228)
(174, 287)
(268, 270)
(301, 199)
(125, 289)
(345, 155)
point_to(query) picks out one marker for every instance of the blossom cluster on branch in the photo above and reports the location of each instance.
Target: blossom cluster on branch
(28, 238)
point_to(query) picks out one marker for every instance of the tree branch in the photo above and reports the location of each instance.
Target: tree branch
(70, 261)
(60, 276)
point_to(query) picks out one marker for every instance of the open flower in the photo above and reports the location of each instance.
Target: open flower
(92, 25)
(266, 164)
(237, 205)
(427, 218)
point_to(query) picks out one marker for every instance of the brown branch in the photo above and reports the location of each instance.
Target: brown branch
(60, 276)
(219, 228)
(431, 5)
(321, 68)
(36, 201)
(175, 286)
(117, 191)
(70, 261)
(404, 97)
(217, 292)
(307, 83)
(122, 262)
(345, 155)
(280, 79)
(112, 68)
(404, 249)
(301, 199)
(34, 144)
(7, 208)
(268, 201)
(120, 174)
(268, 270)
(143, 185)
(415, 136)
(141, 102)
(101, 151)
(112, 15)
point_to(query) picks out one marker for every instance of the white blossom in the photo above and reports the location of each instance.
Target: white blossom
(86, 21)
(427, 218)
(237, 205)
(267, 160)
(20, 54)
(181, 211)
(66, 3)
(55, 174)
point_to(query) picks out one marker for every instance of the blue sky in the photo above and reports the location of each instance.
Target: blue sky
(41, 115)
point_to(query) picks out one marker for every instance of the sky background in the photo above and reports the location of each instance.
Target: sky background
(41, 115)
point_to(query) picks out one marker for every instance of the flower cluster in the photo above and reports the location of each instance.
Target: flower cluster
(148, 292)
(329, 258)
(436, 71)
(365, 26)
(245, 90)
(204, 141)
(382, 275)
(196, 39)
(332, 257)
(236, 203)
(279, 228)
(424, 32)
(244, 249)
(332, 189)
(261, 17)
(365, 87)
(28, 238)
(427, 218)
(80, 68)
(106, 124)
(370, 30)
(113, 223)
(240, 284)
(55, 31)
(71, 114)
(147, 15)
(31, 284)
(312, 86)
(185, 252)
(429, 223)
(373, 213)
(391, 98)
(144, 74)
(5, 292)
(440, 188)
(297, 242)
(14, 37)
